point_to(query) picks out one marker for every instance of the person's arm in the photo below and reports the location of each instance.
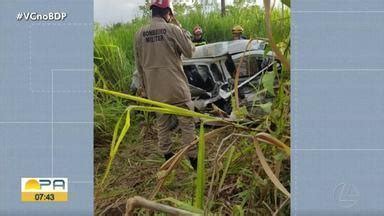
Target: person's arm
(139, 67)
(183, 42)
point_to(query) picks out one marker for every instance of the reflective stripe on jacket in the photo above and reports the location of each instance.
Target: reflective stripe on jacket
(199, 42)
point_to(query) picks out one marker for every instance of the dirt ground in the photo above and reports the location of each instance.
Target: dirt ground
(136, 165)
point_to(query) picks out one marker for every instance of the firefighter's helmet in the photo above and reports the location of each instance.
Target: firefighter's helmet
(162, 4)
(237, 29)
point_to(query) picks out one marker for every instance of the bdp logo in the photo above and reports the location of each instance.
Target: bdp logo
(346, 195)
(44, 189)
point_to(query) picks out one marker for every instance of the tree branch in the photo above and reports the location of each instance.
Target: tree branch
(140, 202)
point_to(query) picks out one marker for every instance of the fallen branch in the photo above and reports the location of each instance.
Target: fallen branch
(140, 202)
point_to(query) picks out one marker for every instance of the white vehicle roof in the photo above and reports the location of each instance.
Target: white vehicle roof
(227, 47)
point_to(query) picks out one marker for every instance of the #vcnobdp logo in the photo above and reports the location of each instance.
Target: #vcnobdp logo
(44, 189)
(346, 195)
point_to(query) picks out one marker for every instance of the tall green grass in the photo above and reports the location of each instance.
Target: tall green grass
(114, 59)
(218, 28)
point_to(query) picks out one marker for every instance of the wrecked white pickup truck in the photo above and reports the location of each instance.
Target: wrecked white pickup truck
(212, 68)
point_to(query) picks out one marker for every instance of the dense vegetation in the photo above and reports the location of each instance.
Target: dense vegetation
(235, 182)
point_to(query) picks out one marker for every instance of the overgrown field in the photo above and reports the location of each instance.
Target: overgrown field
(234, 182)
